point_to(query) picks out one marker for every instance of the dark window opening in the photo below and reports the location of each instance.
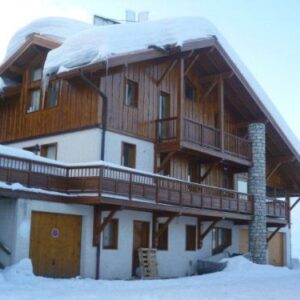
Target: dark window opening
(221, 239)
(110, 235)
(128, 155)
(190, 91)
(163, 239)
(131, 93)
(190, 237)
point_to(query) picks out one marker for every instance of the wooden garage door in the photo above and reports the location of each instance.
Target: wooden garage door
(275, 247)
(276, 250)
(55, 241)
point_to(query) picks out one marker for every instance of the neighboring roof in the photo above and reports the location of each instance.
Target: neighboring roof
(53, 27)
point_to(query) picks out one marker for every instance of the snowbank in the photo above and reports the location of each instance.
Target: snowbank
(20, 272)
(237, 283)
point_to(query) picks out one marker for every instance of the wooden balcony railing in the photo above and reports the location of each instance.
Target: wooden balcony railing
(123, 183)
(277, 208)
(204, 136)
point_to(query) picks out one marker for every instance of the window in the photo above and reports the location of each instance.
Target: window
(190, 237)
(36, 74)
(163, 239)
(49, 151)
(110, 235)
(189, 90)
(221, 239)
(34, 100)
(166, 171)
(128, 155)
(131, 93)
(52, 93)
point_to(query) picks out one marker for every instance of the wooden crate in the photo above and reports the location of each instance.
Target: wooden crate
(148, 263)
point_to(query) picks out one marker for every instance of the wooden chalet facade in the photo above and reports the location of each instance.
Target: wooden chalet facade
(177, 118)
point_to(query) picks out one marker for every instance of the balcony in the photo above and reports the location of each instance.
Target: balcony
(107, 184)
(201, 138)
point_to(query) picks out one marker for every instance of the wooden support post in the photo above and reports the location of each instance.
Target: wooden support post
(294, 204)
(199, 227)
(273, 234)
(208, 171)
(209, 228)
(273, 171)
(209, 90)
(169, 69)
(164, 162)
(191, 64)
(157, 233)
(180, 102)
(221, 101)
(98, 226)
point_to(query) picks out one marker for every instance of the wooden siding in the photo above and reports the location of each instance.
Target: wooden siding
(77, 108)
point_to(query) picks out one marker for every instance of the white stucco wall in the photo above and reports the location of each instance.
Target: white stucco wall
(7, 228)
(84, 146)
(174, 262)
(23, 223)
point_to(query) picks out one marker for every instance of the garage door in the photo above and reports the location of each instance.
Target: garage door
(55, 241)
(275, 247)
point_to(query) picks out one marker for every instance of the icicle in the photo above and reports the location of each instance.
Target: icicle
(45, 83)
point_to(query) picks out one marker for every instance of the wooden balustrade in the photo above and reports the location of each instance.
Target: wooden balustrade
(122, 183)
(204, 136)
(277, 208)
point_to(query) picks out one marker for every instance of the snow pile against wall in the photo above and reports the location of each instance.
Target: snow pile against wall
(52, 27)
(259, 282)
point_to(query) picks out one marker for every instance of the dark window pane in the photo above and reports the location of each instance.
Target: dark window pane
(190, 242)
(110, 235)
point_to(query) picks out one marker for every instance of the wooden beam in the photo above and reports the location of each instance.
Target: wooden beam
(273, 234)
(191, 64)
(165, 161)
(169, 69)
(180, 101)
(213, 77)
(273, 171)
(209, 90)
(158, 233)
(209, 228)
(222, 113)
(294, 204)
(208, 171)
(98, 227)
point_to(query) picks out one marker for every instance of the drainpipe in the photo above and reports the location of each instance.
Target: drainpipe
(102, 150)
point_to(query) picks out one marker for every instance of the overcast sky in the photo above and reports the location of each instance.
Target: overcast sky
(265, 34)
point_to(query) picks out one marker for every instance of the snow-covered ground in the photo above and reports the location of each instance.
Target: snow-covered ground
(241, 280)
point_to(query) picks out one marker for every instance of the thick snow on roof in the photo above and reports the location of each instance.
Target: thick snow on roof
(53, 27)
(100, 43)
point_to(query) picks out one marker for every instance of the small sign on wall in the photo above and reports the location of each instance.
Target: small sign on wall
(55, 232)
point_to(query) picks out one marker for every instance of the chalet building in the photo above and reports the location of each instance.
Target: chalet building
(149, 135)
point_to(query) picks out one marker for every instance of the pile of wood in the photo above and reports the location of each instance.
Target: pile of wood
(148, 263)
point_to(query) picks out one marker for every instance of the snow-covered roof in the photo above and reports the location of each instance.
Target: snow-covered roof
(101, 43)
(52, 27)
(85, 44)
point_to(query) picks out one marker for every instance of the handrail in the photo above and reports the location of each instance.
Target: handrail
(102, 178)
(4, 248)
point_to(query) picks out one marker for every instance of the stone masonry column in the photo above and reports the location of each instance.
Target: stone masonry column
(257, 188)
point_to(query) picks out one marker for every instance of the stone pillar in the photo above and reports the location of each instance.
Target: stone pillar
(257, 188)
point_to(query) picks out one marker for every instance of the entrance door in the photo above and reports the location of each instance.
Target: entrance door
(276, 250)
(275, 247)
(140, 240)
(55, 241)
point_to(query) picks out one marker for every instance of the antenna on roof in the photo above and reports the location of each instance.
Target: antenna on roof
(130, 16)
(143, 16)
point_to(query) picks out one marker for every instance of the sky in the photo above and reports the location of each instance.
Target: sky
(264, 33)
